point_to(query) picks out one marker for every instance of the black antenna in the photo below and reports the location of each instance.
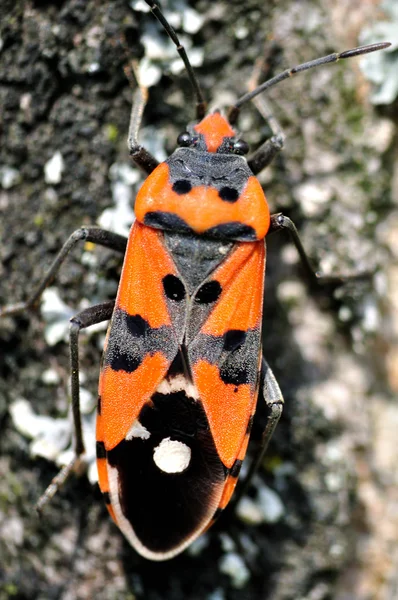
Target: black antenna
(330, 58)
(200, 101)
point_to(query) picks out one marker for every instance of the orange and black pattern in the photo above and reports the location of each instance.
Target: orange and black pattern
(180, 375)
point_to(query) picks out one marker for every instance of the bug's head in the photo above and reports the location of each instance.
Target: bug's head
(213, 134)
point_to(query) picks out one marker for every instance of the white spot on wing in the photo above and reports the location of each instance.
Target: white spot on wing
(179, 383)
(137, 431)
(172, 456)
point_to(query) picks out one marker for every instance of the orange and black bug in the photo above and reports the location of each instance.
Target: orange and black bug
(183, 361)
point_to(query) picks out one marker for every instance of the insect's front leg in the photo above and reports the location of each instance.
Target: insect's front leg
(86, 318)
(95, 235)
(138, 153)
(265, 154)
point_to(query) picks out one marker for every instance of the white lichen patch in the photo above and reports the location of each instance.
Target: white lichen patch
(56, 315)
(89, 457)
(178, 13)
(52, 438)
(154, 140)
(248, 511)
(227, 543)
(49, 436)
(160, 51)
(381, 67)
(9, 177)
(54, 168)
(120, 217)
(87, 401)
(198, 545)
(50, 377)
(148, 73)
(217, 594)
(266, 507)
(314, 197)
(234, 566)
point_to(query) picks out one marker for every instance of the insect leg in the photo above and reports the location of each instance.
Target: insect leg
(87, 234)
(280, 222)
(273, 398)
(138, 153)
(86, 318)
(266, 153)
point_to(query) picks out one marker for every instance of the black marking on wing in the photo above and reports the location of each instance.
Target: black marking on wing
(235, 469)
(236, 354)
(100, 450)
(125, 361)
(166, 508)
(234, 339)
(209, 292)
(235, 374)
(137, 326)
(173, 288)
(131, 338)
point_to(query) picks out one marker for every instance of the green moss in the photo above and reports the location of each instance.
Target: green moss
(271, 463)
(366, 185)
(354, 118)
(111, 132)
(8, 591)
(38, 220)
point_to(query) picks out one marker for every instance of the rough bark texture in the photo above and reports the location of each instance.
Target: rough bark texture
(332, 460)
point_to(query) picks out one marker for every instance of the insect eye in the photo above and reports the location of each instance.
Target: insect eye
(184, 139)
(241, 147)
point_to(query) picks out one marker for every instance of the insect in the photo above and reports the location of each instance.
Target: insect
(183, 365)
